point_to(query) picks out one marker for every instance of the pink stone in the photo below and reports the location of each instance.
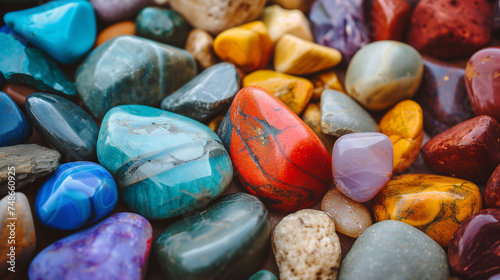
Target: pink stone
(362, 164)
(116, 10)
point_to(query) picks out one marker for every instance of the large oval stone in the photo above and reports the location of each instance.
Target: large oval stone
(162, 25)
(64, 125)
(116, 248)
(164, 164)
(228, 240)
(131, 70)
(492, 192)
(394, 250)
(278, 157)
(14, 127)
(434, 204)
(469, 150)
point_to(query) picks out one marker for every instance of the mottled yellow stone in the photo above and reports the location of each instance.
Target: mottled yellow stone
(200, 44)
(325, 80)
(404, 124)
(434, 204)
(295, 92)
(247, 46)
(214, 124)
(312, 117)
(296, 56)
(280, 21)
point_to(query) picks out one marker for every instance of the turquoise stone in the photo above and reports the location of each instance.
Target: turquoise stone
(164, 164)
(64, 125)
(14, 127)
(27, 65)
(228, 240)
(208, 94)
(162, 25)
(66, 30)
(263, 275)
(131, 70)
(77, 195)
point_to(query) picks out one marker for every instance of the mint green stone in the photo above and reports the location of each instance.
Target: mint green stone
(263, 275)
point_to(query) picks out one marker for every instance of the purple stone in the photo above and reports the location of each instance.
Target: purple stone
(116, 10)
(339, 24)
(362, 164)
(117, 248)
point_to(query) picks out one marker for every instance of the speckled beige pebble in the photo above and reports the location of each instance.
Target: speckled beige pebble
(306, 246)
(200, 44)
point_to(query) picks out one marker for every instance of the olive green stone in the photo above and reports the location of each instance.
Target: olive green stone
(162, 25)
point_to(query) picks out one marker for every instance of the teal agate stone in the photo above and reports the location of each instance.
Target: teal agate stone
(131, 70)
(66, 30)
(263, 275)
(28, 65)
(229, 240)
(164, 164)
(162, 25)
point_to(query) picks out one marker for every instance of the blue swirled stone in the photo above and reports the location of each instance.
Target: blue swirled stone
(164, 164)
(14, 127)
(77, 195)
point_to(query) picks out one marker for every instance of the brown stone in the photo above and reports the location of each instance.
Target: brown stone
(200, 44)
(492, 193)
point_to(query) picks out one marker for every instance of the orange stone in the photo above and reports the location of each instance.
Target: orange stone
(115, 30)
(389, 19)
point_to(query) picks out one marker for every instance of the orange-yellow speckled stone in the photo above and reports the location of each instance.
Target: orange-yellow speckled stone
(115, 30)
(325, 80)
(435, 204)
(295, 92)
(404, 124)
(214, 123)
(247, 46)
(312, 117)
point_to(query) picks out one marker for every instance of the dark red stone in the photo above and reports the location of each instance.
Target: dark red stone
(492, 193)
(450, 28)
(389, 19)
(277, 156)
(482, 78)
(442, 96)
(470, 150)
(474, 251)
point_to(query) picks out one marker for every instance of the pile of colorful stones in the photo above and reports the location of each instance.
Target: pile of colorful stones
(250, 139)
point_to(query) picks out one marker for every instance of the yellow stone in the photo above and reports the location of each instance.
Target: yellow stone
(296, 56)
(247, 46)
(404, 125)
(200, 44)
(280, 21)
(325, 80)
(436, 205)
(295, 92)
(312, 117)
(214, 124)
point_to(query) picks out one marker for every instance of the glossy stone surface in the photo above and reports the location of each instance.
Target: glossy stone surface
(64, 125)
(164, 164)
(496, 33)
(325, 80)
(116, 10)
(77, 195)
(362, 164)
(28, 65)
(228, 240)
(303, 5)
(469, 150)
(434, 204)
(492, 193)
(206, 95)
(389, 19)
(105, 79)
(404, 124)
(278, 157)
(463, 29)
(66, 30)
(443, 96)
(351, 218)
(116, 248)
(263, 275)
(280, 21)
(341, 115)
(339, 24)
(200, 44)
(312, 117)
(394, 250)
(115, 30)
(14, 127)
(483, 83)
(384, 73)
(162, 25)
(473, 251)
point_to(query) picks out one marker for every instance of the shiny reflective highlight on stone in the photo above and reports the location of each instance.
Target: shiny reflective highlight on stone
(14, 127)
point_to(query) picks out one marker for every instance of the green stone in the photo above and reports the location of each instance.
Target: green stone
(263, 275)
(162, 25)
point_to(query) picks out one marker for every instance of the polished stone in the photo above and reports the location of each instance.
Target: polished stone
(162, 25)
(362, 164)
(116, 10)
(303, 5)
(64, 125)
(280, 21)
(131, 70)
(228, 240)
(389, 19)
(325, 80)
(14, 128)
(312, 117)
(263, 275)
(200, 44)
(66, 30)
(164, 164)
(206, 95)
(434, 204)
(115, 30)
(492, 193)
(115, 249)
(496, 28)
(394, 250)
(77, 195)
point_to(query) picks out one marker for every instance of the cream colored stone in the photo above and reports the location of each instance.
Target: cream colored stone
(161, 2)
(351, 218)
(200, 44)
(303, 5)
(306, 246)
(280, 21)
(215, 16)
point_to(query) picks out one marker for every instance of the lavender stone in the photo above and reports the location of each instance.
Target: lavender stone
(116, 10)
(362, 164)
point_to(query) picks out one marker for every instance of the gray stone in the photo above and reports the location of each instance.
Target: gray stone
(341, 115)
(397, 251)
